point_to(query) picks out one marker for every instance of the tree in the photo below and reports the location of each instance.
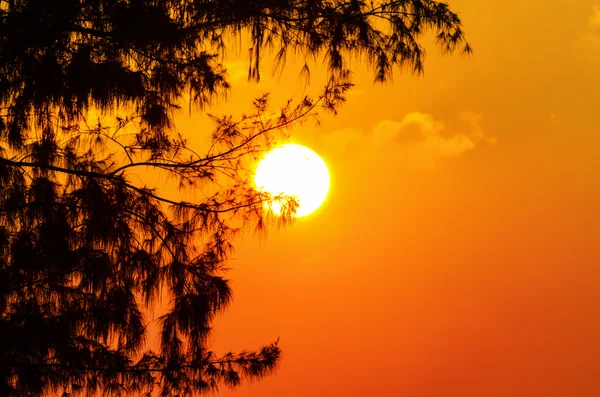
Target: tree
(85, 246)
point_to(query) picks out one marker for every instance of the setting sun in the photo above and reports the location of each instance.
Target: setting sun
(294, 170)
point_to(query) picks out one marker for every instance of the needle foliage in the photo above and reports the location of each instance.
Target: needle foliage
(87, 247)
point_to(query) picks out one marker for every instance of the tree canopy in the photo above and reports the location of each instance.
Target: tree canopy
(86, 248)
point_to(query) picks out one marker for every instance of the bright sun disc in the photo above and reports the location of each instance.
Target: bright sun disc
(294, 170)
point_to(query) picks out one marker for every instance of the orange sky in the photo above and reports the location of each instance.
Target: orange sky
(457, 253)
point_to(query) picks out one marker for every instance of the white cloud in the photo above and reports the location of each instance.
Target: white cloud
(237, 71)
(593, 33)
(420, 140)
(415, 141)
(594, 21)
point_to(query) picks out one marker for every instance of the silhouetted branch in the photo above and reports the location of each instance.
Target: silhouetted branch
(83, 249)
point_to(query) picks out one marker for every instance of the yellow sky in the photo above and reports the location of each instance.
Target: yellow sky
(457, 254)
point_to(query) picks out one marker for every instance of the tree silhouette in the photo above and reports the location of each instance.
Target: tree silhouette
(86, 247)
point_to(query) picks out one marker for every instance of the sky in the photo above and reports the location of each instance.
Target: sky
(457, 253)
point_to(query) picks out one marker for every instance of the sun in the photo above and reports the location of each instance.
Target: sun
(297, 171)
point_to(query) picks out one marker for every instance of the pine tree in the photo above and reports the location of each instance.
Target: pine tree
(86, 248)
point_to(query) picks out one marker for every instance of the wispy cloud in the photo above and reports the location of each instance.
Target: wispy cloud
(237, 71)
(593, 34)
(420, 140)
(594, 21)
(417, 140)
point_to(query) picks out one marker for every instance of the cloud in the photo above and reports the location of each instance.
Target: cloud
(594, 21)
(237, 71)
(420, 140)
(417, 140)
(593, 34)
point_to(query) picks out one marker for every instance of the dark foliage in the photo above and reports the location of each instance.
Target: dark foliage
(86, 248)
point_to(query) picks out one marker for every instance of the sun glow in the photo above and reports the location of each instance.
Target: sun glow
(296, 171)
